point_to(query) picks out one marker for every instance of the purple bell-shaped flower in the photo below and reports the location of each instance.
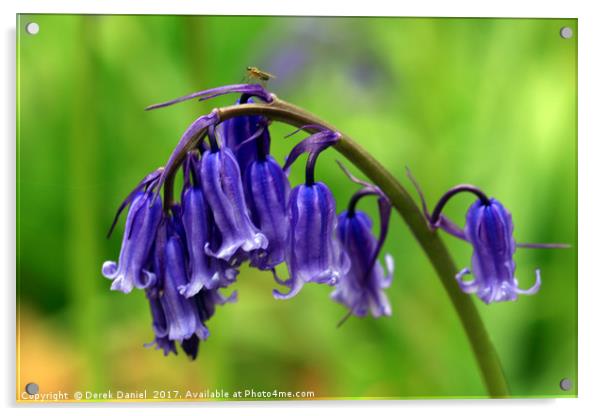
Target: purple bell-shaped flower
(181, 314)
(195, 220)
(489, 229)
(222, 187)
(313, 253)
(140, 229)
(267, 190)
(362, 288)
(160, 327)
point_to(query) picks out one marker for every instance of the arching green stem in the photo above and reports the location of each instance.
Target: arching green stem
(482, 347)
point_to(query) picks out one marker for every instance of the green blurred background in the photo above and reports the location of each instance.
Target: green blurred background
(485, 101)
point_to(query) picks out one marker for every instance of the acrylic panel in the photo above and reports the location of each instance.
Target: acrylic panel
(248, 264)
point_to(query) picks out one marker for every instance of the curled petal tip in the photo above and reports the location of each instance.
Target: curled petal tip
(283, 296)
(278, 279)
(533, 289)
(467, 287)
(109, 269)
(146, 280)
(294, 286)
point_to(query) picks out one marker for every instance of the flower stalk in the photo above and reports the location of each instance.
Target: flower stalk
(276, 109)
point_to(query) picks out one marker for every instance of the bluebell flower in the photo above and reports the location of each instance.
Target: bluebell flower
(153, 294)
(267, 192)
(202, 272)
(313, 253)
(183, 320)
(489, 229)
(227, 270)
(265, 184)
(159, 324)
(175, 317)
(361, 289)
(140, 229)
(222, 187)
(196, 225)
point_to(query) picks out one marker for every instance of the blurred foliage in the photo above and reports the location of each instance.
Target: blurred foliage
(485, 101)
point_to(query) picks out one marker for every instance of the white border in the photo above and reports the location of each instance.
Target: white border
(590, 137)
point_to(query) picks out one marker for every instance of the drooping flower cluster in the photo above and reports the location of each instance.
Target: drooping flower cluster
(236, 205)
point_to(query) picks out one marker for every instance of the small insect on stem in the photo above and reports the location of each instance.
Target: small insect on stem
(254, 73)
